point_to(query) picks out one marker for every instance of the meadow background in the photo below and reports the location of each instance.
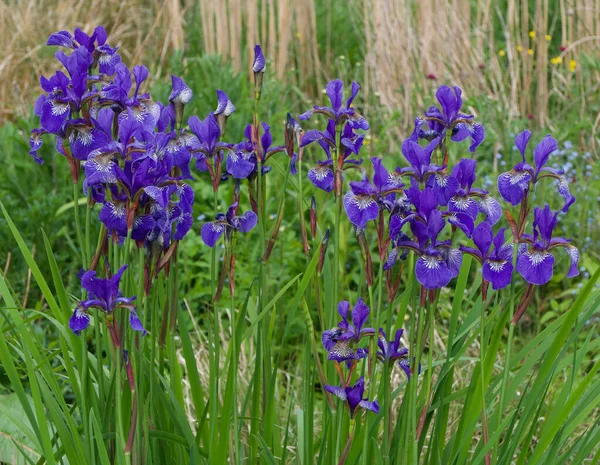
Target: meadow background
(521, 64)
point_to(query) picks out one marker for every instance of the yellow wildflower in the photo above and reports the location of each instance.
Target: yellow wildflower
(556, 60)
(501, 53)
(548, 37)
(519, 48)
(572, 65)
(530, 51)
(532, 34)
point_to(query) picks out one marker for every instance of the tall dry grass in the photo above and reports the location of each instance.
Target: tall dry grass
(147, 30)
(416, 45)
(409, 47)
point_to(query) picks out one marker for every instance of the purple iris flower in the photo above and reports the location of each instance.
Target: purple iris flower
(339, 340)
(448, 117)
(144, 110)
(206, 143)
(104, 55)
(515, 184)
(470, 200)
(65, 94)
(391, 351)
(353, 396)
(424, 172)
(172, 143)
(105, 295)
(227, 223)
(364, 200)
(338, 112)
(225, 108)
(242, 162)
(438, 261)
(496, 263)
(536, 261)
(322, 175)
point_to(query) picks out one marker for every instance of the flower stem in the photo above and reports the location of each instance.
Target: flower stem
(80, 242)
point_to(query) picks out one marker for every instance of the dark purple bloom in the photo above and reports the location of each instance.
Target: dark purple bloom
(224, 105)
(514, 184)
(438, 261)
(242, 161)
(536, 261)
(339, 340)
(338, 112)
(105, 295)
(469, 200)
(364, 200)
(353, 396)
(227, 223)
(259, 65)
(391, 351)
(448, 117)
(497, 265)
(180, 93)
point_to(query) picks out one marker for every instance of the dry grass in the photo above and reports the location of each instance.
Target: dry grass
(146, 30)
(404, 43)
(415, 46)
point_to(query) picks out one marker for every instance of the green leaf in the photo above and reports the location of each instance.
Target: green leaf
(13, 439)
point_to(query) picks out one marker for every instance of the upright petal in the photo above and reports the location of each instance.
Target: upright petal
(259, 65)
(360, 313)
(334, 91)
(543, 150)
(521, 142)
(482, 238)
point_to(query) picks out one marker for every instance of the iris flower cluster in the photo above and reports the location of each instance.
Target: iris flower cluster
(342, 346)
(134, 157)
(432, 208)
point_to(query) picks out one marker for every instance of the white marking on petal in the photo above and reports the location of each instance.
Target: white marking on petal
(536, 257)
(462, 203)
(431, 262)
(363, 201)
(58, 108)
(497, 265)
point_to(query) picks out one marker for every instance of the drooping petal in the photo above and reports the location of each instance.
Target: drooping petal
(211, 232)
(536, 266)
(61, 39)
(563, 189)
(491, 208)
(372, 406)
(336, 391)
(497, 272)
(360, 209)
(238, 166)
(444, 186)
(247, 221)
(574, 256)
(513, 185)
(135, 322)
(54, 114)
(432, 271)
(79, 321)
